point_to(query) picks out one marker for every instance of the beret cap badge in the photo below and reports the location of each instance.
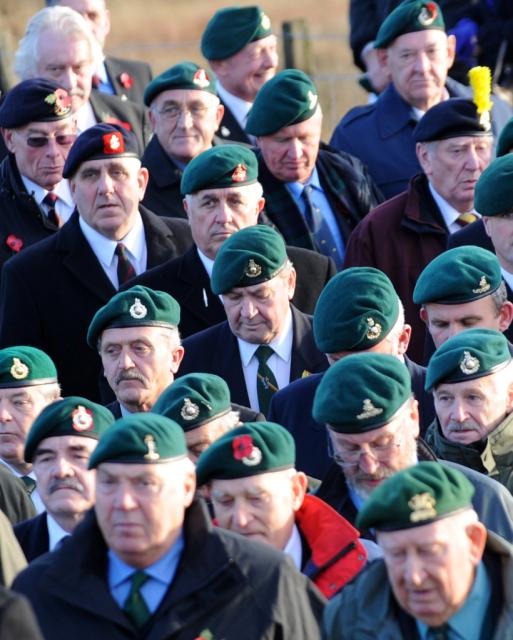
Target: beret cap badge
(368, 410)
(253, 270)
(113, 143)
(422, 507)
(190, 410)
(138, 311)
(374, 329)
(245, 451)
(265, 21)
(428, 14)
(483, 287)
(201, 79)
(469, 364)
(82, 418)
(61, 102)
(19, 369)
(240, 173)
(312, 99)
(150, 443)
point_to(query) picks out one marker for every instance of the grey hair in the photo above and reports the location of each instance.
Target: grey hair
(50, 391)
(255, 190)
(500, 296)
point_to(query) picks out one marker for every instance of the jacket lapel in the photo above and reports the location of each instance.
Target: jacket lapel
(306, 358)
(159, 238)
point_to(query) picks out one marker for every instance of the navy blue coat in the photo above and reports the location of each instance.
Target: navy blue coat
(33, 536)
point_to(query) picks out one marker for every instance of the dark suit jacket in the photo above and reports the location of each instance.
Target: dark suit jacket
(186, 280)
(139, 73)
(162, 195)
(33, 536)
(230, 130)
(474, 233)
(216, 350)
(50, 292)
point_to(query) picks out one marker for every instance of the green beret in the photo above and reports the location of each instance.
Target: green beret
(250, 256)
(288, 98)
(471, 354)
(249, 450)
(505, 140)
(186, 75)
(231, 29)
(194, 399)
(494, 191)
(136, 307)
(458, 275)
(72, 416)
(355, 311)
(25, 367)
(408, 17)
(140, 438)
(221, 167)
(416, 496)
(362, 392)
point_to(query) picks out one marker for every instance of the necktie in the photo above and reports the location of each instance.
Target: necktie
(125, 267)
(30, 483)
(319, 227)
(438, 633)
(135, 605)
(49, 200)
(266, 382)
(465, 219)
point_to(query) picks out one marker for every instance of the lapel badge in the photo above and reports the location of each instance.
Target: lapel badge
(224, 131)
(368, 410)
(253, 270)
(61, 102)
(312, 99)
(265, 21)
(14, 243)
(82, 418)
(422, 507)
(126, 80)
(469, 364)
(428, 14)
(138, 311)
(245, 451)
(240, 173)
(306, 373)
(373, 329)
(19, 370)
(113, 143)
(190, 410)
(150, 443)
(201, 79)
(483, 286)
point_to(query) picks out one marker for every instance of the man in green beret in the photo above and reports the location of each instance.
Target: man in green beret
(147, 561)
(185, 114)
(256, 491)
(222, 194)
(59, 445)
(314, 196)
(443, 575)
(240, 46)
(471, 376)
(265, 343)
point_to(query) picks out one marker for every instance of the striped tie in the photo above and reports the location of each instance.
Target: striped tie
(49, 200)
(126, 269)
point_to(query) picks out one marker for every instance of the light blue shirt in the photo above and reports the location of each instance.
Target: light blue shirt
(153, 590)
(466, 623)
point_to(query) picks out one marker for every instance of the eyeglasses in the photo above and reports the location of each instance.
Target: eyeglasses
(350, 456)
(173, 112)
(37, 141)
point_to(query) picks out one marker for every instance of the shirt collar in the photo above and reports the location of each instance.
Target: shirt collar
(85, 117)
(239, 107)
(55, 532)
(508, 277)
(38, 192)
(449, 213)
(296, 188)
(104, 247)
(294, 548)
(206, 262)
(281, 345)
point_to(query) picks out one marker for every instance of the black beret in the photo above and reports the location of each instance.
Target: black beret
(36, 100)
(450, 119)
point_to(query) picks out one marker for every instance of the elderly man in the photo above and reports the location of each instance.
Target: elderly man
(59, 45)
(358, 311)
(443, 574)
(416, 54)
(222, 195)
(314, 196)
(255, 490)
(119, 76)
(453, 147)
(38, 129)
(471, 376)
(109, 239)
(58, 446)
(136, 335)
(240, 47)
(185, 113)
(265, 343)
(373, 428)
(148, 563)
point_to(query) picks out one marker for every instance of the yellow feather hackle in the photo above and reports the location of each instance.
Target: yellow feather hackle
(481, 83)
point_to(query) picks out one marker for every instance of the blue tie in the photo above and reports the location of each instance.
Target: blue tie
(324, 240)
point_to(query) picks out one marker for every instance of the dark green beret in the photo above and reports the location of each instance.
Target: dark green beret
(250, 256)
(194, 399)
(288, 98)
(408, 17)
(249, 450)
(505, 140)
(227, 165)
(416, 496)
(25, 367)
(451, 119)
(468, 355)
(35, 100)
(362, 392)
(186, 75)
(458, 275)
(136, 307)
(231, 29)
(101, 142)
(72, 416)
(355, 311)
(140, 438)
(494, 189)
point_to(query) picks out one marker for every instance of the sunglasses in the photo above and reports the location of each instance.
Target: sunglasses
(64, 140)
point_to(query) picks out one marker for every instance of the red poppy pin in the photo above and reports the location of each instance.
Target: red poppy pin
(242, 447)
(201, 78)
(14, 243)
(240, 173)
(206, 634)
(428, 14)
(113, 143)
(61, 102)
(126, 80)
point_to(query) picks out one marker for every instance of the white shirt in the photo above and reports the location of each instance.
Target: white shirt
(85, 117)
(449, 213)
(104, 248)
(55, 532)
(206, 262)
(64, 205)
(508, 277)
(239, 107)
(294, 549)
(34, 496)
(279, 362)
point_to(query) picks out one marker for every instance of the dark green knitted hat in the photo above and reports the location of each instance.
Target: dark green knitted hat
(185, 75)
(25, 367)
(494, 190)
(408, 17)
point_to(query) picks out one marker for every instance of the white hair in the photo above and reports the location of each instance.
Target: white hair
(254, 190)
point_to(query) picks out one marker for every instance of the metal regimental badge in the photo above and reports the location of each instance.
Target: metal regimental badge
(265, 21)
(240, 173)
(82, 418)
(422, 507)
(113, 143)
(253, 270)
(469, 364)
(483, 286)
(254, 458)
(19, 369)
(312, 99)
(374, 329)
(190, 410)
(201, 78)
(428, 14)
(61, 102)
(368, 410)
(152, 454)
(138, 311)
(485, 120)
